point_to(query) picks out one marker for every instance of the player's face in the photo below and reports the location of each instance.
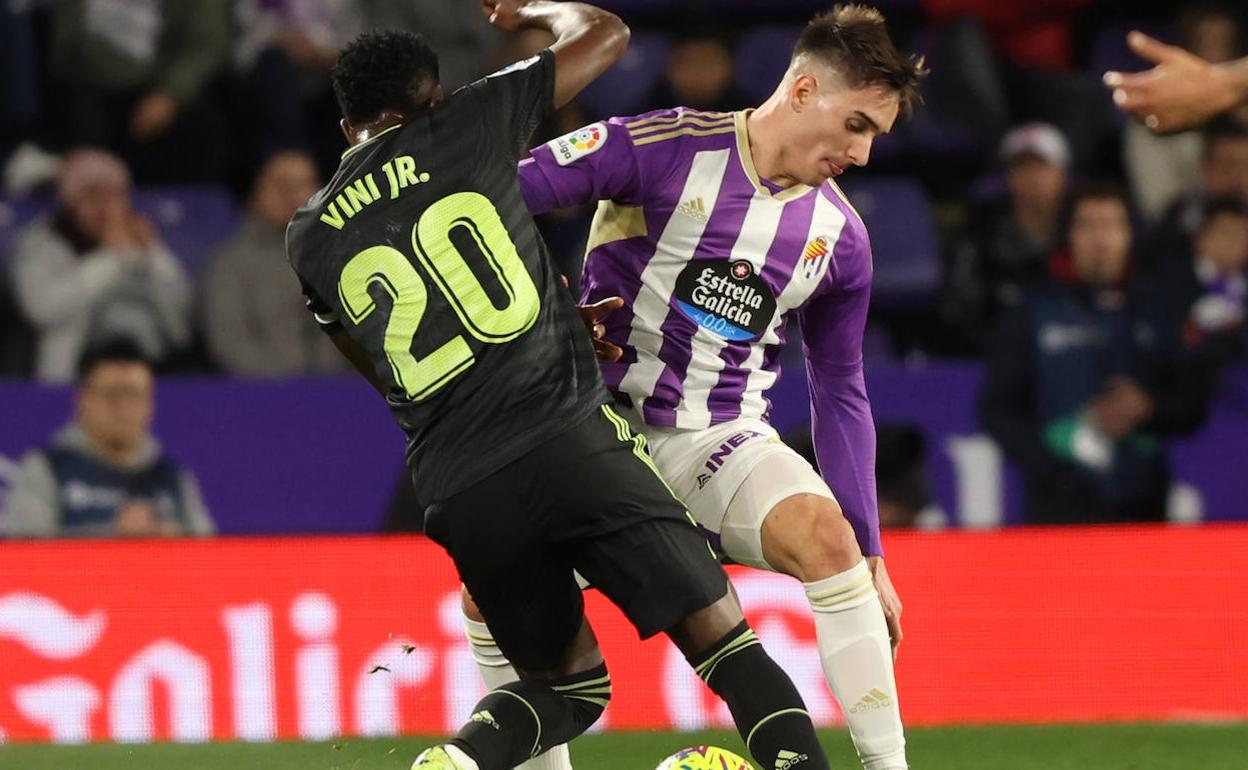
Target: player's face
(115, 404)
(1100, 240)
(835, 126)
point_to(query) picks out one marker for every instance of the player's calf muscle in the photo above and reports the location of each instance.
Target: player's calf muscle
(702, 629)
(808, 537)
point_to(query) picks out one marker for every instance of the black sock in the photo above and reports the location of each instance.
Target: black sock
(522, 719)
(767, 708)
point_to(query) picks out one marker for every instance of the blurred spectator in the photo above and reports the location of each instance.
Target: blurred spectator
(96, 269)
(1208, 291)
(901, 474)
(1161, 168)
(1223, 174)
(134, 76)
(698, 74)
(466, 43)
(1024, 33)
(19, 100)
(283, 55)
(1032, 46)
(286, 48)
(16, 337)
(1087, 381)
(1008, 241)
(254, 317)
(104, 474)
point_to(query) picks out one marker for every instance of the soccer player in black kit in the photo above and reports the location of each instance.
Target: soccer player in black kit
(421, 261)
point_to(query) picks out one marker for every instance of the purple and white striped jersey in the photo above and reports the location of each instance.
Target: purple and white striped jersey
(712, 262)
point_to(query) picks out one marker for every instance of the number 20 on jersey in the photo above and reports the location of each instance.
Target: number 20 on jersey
(388, 268)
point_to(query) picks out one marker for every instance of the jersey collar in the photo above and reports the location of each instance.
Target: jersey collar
(371, 139)
(747, 163)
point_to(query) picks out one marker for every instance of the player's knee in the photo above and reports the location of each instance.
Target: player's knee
(587, 695)
(471, 611)
(808, 537)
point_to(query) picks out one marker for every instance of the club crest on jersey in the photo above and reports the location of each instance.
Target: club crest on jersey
(725, 298)
(814, 256)
(579, 143)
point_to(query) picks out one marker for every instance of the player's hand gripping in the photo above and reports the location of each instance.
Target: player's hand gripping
(888, 599)
(592, 315)
(1182, 91)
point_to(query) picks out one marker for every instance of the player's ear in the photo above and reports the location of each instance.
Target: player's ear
(803, 92)
(346, 130)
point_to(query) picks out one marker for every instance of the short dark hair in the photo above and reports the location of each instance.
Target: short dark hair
(383, 69)
(110, 352)
(1220, 128)
(854, 40)
(1226, 204)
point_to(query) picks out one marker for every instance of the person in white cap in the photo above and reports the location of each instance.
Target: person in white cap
(95, 269)
(1007, 242)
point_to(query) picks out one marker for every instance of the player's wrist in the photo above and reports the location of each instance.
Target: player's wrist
(1236, 73)
(559, 18)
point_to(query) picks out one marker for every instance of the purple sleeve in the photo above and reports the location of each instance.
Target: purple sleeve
(597, 162)
(842, 428)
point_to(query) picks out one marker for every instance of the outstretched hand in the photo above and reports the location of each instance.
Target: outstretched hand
(592, 315)
(1181, 92)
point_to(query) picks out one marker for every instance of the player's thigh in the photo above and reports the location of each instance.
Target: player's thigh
(708, 469)
(777, 477)
(630, 536)
(496, 532)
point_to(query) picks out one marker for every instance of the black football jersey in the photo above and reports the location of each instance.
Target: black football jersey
(422, 249)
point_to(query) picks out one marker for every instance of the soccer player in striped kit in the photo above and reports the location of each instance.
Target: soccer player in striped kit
(716, 229)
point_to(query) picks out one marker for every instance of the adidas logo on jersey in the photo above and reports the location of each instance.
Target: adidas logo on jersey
(485, 718)
(787, 759)
(695, 209)
(871, 701)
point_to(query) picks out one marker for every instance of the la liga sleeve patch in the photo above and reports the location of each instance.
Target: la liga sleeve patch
(576, 145)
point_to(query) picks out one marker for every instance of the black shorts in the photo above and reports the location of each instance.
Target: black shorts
(589, 500)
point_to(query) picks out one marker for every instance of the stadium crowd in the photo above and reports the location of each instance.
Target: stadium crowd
(1098, 269)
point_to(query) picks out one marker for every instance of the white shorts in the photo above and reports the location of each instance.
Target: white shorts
(730, 476)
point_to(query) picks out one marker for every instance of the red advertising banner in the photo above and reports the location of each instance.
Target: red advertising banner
(282, 638)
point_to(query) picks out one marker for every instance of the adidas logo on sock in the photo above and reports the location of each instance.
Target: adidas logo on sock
(485, 718)
(876, 699)
(694, 209)
(787, 759)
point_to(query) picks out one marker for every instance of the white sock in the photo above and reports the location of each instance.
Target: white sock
(858, 663)
(497, 671)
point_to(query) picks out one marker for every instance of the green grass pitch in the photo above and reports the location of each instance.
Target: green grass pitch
(1060, 747)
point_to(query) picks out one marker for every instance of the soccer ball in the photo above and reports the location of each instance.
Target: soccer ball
(704, 758)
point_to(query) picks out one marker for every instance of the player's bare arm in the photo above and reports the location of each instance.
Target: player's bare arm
(588, 40)
(1181, 91)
